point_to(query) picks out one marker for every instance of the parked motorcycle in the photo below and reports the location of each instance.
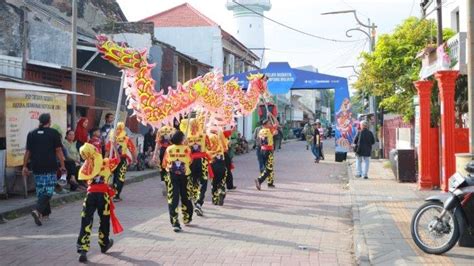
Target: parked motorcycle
(446, 219)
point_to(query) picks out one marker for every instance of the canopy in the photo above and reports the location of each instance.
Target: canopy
(283, 78)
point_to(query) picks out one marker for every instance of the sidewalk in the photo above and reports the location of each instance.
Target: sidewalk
(382, 210)
(17, 205)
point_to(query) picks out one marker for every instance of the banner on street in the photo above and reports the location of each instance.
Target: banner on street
(22, 111)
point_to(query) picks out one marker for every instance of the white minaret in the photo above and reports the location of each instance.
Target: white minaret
(248, 25)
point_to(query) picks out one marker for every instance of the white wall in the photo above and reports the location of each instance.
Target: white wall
(449, 14)
(250, 31)
(202, 43)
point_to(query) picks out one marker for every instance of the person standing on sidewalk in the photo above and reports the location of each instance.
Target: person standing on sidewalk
(363, 142)
(308, 133)
(266, 139)
(321, 137)
(44, 148)
(177, 162)
(316, 143)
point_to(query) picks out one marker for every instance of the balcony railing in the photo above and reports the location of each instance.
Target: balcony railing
(457, 53)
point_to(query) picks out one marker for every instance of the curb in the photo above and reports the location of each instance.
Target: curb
(59, 200)
(361, 251)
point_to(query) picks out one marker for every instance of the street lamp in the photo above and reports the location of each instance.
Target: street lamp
(370, 33)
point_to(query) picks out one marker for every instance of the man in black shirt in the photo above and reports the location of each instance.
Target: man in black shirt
(44, 150)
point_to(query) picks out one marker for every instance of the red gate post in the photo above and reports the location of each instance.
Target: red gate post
(424, 88)
(447, 83)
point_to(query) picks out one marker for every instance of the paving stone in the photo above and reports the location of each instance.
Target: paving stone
(306, 220)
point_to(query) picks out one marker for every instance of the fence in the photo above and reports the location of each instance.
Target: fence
(390, 126)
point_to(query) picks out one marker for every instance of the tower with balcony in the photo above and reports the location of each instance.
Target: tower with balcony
(249, 27)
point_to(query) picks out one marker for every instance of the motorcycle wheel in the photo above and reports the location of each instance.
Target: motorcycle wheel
(434, 240)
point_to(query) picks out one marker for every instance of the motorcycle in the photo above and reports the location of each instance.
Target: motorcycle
(446, 219)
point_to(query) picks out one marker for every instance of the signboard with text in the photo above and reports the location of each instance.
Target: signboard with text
(21, 116)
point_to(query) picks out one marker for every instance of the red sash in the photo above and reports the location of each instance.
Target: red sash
(266, 148)
(104, 188)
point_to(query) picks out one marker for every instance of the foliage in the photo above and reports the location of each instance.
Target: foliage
(389, 72)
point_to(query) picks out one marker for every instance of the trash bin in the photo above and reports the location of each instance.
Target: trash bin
(406, 165)
(403, 164)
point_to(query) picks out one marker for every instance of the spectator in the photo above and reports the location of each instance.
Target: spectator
(321, 136)
(95, 139)
(149, 140)
(277, 139)
(363, 142)
(43, 148)
(105, 129)
(308, 132)
(242, 145)
(81, 135)
(316, 142)
(329, 133)
(72, 160)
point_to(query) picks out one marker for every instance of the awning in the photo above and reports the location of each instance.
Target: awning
(9, 83)
(93, 107)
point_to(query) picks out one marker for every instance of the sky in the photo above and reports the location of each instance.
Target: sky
(305, 15)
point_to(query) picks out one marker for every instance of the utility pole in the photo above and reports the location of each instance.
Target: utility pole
(370, 33)
(439, 14)
(470, 71)
(74, 63)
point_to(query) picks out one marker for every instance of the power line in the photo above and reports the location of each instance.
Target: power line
(412, 6)
(305, 51)
(292, 28)
(351, 6)
(344, 56)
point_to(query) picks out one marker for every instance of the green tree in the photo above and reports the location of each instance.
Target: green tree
(389, 72)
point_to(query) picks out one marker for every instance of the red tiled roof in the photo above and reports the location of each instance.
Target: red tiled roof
(183, 15)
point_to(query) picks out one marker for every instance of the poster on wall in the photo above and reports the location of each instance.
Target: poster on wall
(345, 124)
(21, 115)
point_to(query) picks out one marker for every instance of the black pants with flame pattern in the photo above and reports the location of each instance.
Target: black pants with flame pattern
(219, 182)
(100, 202)
(268, 170)
(198, 184)
(119, 176)
(178, 188)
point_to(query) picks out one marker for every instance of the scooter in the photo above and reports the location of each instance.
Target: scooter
(447, 219)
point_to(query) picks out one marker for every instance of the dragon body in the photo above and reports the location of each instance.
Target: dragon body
(221, 101)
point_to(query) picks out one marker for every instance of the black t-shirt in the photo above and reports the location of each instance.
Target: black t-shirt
(42, 144)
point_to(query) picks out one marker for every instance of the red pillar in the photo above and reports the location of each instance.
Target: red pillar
(424, 93)
(447, 83)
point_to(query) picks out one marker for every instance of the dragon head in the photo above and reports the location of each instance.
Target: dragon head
(259, 83)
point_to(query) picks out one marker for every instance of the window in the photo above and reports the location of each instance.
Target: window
(457, 21)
